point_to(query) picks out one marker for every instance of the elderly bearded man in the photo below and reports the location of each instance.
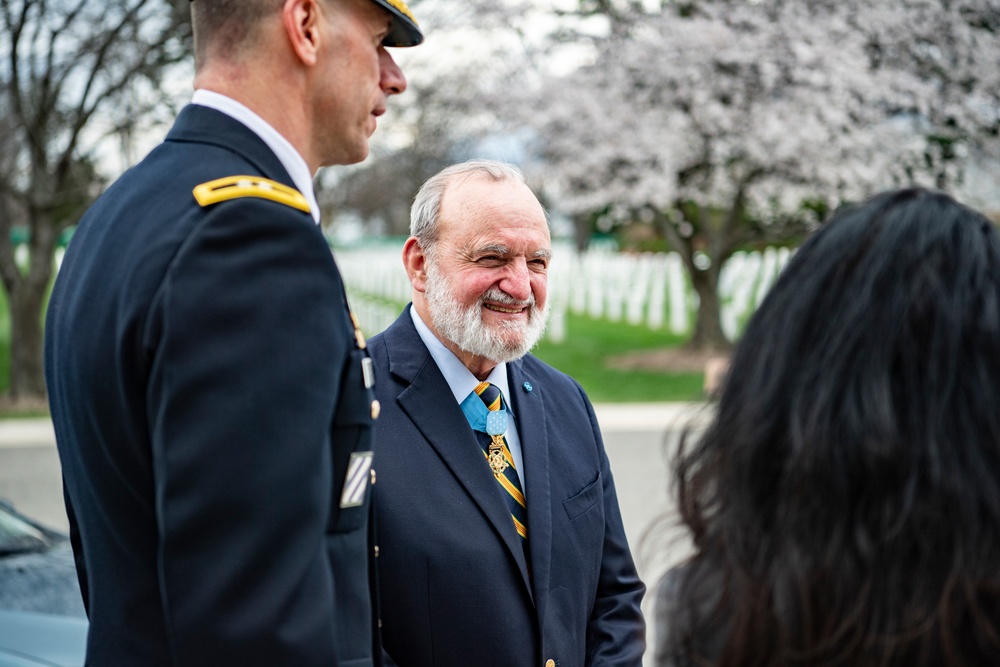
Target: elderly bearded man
(500, 538)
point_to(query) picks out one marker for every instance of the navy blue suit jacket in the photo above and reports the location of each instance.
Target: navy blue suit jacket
(456, 588)
(206, 389)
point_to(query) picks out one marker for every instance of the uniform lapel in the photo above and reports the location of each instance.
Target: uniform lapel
(209, 126)
(429, 404)
(532, 427)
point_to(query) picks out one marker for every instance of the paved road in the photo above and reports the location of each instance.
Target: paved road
(639, 438)
(29, 471)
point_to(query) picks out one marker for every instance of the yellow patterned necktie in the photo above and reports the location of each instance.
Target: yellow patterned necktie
(499, 458)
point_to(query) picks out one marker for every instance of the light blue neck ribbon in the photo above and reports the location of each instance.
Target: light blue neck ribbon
(475, 411)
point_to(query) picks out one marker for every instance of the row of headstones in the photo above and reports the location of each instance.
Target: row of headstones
(650, 289)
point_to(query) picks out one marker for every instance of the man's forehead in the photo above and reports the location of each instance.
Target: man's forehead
(496, 229)
(478, 195)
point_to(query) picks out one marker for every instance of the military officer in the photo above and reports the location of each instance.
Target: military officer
(211, 395)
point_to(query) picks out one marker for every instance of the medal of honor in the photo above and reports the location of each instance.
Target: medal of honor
(496, 426)
(497, 461)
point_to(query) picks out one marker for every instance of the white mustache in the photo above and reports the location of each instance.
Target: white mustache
(497, 295)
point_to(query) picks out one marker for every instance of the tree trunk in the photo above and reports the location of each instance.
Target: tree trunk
(27, 381)
(708, 334)
(26, 290)
(581, 231)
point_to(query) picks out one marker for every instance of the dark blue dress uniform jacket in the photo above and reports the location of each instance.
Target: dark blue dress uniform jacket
(206, 389)
(456, 588)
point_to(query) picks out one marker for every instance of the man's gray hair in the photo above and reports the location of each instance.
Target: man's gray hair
(427, 204)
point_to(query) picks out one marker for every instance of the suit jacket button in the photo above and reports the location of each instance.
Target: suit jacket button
(550, 663)
(376, 409)
(376, 551)
(372, 471)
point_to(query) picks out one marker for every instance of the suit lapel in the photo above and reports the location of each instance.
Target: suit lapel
(429, 404)
(532, 427)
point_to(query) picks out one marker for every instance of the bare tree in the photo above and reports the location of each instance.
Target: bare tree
(74, 73)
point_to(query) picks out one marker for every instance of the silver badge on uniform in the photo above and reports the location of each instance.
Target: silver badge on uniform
(356, 482)
(368, 372)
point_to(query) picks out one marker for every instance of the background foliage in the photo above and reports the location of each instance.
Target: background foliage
(705, 127)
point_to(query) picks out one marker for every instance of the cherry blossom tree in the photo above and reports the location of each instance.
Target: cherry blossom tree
(724, 124)
(734, 123)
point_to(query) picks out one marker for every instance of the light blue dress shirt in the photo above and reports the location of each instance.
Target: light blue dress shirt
(462, 382)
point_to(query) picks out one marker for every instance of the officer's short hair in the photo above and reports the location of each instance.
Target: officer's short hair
(227, 24)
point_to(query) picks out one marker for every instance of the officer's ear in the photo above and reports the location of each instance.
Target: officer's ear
(301, 19)
(415, 262)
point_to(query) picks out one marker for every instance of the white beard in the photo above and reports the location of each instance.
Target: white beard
(465, 328)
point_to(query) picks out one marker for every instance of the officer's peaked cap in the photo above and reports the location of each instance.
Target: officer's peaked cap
(404, 30)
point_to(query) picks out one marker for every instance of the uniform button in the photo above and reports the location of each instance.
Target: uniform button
(376, 551)
(376, 409)
(550, 663)
(372, 471)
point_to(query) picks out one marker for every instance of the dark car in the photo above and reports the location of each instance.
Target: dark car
(42, 620)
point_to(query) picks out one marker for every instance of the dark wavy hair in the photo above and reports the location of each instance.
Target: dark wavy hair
(845, 501)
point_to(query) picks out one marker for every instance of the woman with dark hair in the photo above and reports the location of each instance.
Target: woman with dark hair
(844, 503)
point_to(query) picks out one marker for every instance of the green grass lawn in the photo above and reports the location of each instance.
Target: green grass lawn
(583, 355)
(588, 345)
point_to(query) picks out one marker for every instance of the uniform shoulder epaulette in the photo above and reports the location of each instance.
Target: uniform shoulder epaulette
(234, 187)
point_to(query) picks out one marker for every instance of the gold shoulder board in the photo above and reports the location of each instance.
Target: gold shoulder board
(234, 187)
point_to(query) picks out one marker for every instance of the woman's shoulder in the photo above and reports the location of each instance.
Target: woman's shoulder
(686, 604)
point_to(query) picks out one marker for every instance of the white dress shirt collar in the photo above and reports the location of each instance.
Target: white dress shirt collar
(290, 158)
(462, 382)
(460, 379)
